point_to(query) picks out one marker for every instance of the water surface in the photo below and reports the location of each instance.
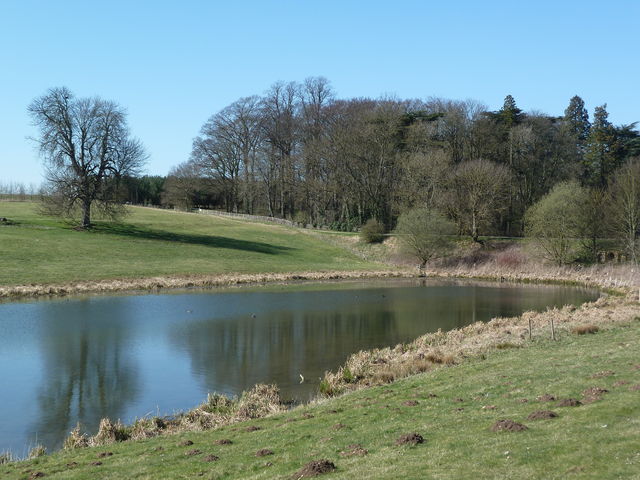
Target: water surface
(84, 358)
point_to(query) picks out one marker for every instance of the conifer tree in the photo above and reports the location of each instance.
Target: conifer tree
(510, 114)
(599, 159)
(576, 121)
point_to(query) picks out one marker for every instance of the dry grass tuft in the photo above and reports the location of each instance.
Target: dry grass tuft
(260, 401)
(37, 451)
(585, 329)
(6, 457)
(147, 428)
(76, 439)
(109, 432)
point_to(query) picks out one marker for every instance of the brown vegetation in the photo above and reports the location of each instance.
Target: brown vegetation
(584, 329)
(190, 281)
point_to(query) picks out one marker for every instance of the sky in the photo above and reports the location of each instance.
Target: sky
(173, 64)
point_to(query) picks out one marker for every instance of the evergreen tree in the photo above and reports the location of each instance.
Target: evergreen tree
(599, 158)
(576, 121)
(510, 114)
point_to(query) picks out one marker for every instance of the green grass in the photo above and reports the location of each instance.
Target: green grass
(599, 440)
(43, 250)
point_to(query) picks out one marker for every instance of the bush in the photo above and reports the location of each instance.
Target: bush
(510, 259)
(553, 222)
(372, 231)
(425, 234)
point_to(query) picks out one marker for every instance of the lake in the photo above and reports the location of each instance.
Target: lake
(83, 358)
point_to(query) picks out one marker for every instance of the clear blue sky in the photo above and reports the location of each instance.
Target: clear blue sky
(173, 64)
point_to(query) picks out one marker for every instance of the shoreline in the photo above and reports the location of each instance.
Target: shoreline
(385, 365)
(158, 283)
(606, 278)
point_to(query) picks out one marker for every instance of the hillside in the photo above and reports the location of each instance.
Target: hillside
(40, 250)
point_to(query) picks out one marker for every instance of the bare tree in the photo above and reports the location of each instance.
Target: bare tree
(625, 208)
(184, 187)
(477, 193)
(280, 129)
(425, 234)
(86, 147)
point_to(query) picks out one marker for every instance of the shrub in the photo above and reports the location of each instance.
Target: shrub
(553, 222)
(425, 234)
(372, 231)
(510, 259)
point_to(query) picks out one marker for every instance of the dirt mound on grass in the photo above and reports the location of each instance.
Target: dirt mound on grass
(542, 415)
(252, 428)
(593, 394)
(185, 443)
(195, 451)
(569, 402)
(314, 468)
(223, 441)
(264, 452)
(546, 398)
(354, 451)
(210, 458)
(592, 391)
(604, 373)
(410, 439)
(508, 426)
(410, 403)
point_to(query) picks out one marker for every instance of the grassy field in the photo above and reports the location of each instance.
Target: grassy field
(452, 408)
(43, 250)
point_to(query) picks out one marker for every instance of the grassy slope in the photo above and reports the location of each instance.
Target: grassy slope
(150, 242)
(599, 440)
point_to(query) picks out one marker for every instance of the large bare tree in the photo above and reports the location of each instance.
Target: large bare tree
(625, 207)
(478, 192)
(87, 148)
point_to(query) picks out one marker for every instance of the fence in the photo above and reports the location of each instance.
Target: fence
(251, 218)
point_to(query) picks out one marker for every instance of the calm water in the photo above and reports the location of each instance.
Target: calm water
(81, 359)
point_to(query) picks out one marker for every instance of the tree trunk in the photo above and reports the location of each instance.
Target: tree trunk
(86, 213)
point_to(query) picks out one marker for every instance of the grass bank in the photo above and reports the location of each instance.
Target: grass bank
(155, 248)
(596, 435)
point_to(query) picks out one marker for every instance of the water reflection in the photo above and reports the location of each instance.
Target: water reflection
(81, 359)
(306, 333)
(88, 373)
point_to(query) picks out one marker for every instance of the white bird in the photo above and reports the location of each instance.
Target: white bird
(301, 378)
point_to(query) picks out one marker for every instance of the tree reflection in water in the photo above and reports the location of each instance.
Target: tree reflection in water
(88, 371)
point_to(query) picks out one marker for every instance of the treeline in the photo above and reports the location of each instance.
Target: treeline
(19, 191)
(299, 152)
